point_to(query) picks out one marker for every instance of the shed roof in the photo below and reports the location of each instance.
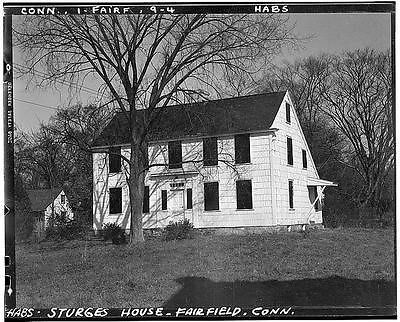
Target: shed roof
(210, 118)
(41, 198)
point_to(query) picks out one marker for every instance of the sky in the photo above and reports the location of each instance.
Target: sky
(330, 33)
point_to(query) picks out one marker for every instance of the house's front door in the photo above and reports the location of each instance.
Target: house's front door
(177, 205)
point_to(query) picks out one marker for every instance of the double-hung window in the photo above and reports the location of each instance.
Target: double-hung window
(289, 145)
(115, 200)
(244, 199)
(175, 154)
(288, 113)
(304, 155)
(242, 148)
(210, 152)
(211, 196)
(114, 159)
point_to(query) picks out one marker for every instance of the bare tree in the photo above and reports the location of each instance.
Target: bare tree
(42, 159)
(147, 62)
(305, 79)
(358, 100)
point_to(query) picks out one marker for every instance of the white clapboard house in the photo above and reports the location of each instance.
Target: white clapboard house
(236, 162)
(46, 203)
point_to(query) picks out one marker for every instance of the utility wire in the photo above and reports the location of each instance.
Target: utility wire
(64, 82)
(37, 104)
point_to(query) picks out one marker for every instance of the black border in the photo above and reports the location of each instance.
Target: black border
(196, 7)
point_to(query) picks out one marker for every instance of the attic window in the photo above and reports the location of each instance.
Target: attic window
(62, 199)
(175, 154)
(304, 154)
(115, 159)
(242, 148)
(288, 113)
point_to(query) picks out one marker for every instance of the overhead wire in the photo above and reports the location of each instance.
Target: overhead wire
(64, 82)
(37, 104)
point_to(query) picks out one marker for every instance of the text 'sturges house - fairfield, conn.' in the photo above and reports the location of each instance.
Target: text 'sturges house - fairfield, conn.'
(236, 162)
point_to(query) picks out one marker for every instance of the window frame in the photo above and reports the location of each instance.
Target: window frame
(288, 113)
(164, 200)
(208, 186)
(110, 201)
(189, 198)
(304, 158)
(114, 160)
(291, 193)
(62, 201)
(146, 200)
(289, 151)
(211, 159)
(247, 204)
(241, 158)
(171, 146)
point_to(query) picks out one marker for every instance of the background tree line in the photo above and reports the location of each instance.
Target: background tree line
(344, 104)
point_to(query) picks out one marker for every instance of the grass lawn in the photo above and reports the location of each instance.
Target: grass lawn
(341, 266)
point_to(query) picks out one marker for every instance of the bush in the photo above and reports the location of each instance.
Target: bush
(61, 227)
(114, 232)
(178, 230)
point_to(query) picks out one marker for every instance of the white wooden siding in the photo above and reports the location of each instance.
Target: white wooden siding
(268, 171)
(58, 208)
(284, 172)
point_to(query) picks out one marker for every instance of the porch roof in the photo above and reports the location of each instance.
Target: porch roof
(320, 182)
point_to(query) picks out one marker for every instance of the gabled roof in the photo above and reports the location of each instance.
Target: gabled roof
(40, 199)
(211, 118)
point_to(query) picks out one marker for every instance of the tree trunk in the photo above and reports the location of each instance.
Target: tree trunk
(136, 191)
(136, 188)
